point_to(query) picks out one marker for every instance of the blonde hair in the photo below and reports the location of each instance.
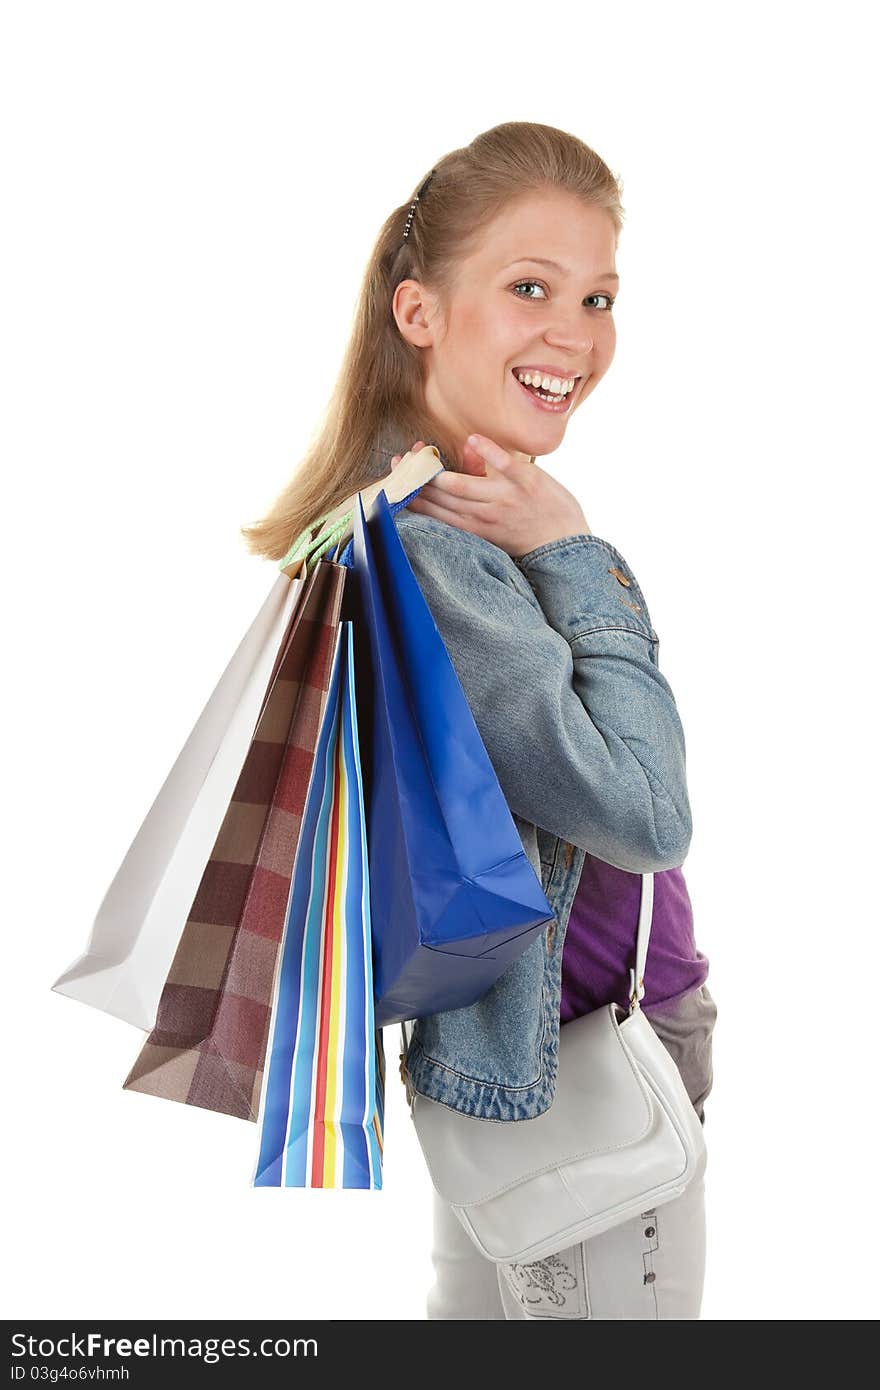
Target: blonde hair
(380, 382)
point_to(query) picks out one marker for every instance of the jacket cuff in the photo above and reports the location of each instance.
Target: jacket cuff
(584, 585)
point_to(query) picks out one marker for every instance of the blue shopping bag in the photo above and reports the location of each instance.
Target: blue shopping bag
(454, 899)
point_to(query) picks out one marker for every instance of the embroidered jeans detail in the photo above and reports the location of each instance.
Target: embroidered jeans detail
(555, 1287)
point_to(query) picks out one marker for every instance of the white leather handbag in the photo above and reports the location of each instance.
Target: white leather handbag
(621, 1136)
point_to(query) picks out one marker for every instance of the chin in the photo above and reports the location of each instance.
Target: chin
(544, 450)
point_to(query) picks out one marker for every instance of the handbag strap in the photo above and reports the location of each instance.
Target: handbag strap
(646, 913)
(334, 530)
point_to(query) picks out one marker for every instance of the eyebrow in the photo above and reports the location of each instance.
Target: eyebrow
(554, 265)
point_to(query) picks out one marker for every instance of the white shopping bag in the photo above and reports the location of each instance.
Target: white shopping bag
(141, 919)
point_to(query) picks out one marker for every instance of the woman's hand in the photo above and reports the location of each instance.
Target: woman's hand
(516, 506)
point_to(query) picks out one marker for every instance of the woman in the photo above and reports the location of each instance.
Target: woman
(485, 320)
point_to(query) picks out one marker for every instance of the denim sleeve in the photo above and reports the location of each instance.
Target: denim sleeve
(557, 658)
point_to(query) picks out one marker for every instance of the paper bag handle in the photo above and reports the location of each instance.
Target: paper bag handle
(335, 528)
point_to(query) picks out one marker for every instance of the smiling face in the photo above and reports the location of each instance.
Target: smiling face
(508, 312)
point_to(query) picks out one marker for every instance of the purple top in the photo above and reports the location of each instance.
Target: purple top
(600, 941)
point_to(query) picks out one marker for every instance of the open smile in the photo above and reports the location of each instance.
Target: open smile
(554, 407)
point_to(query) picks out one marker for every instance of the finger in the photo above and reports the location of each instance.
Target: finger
(461, 520)
(490, 451)
(472, 462)
(456, 490)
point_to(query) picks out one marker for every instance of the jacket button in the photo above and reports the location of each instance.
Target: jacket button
(619, 576)
(649, 1278)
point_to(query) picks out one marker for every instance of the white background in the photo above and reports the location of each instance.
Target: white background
(191, 193)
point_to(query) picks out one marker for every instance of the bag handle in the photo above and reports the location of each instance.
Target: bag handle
(646, 913)
(334, 529)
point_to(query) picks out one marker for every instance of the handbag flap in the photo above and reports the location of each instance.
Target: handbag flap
(601, 1104)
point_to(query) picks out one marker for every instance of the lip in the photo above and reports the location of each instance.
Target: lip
(561, 408)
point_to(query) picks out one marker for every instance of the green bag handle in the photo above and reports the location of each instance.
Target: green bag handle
(333, 530)
(309, 547)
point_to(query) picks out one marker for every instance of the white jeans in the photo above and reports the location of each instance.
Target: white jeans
(649, 1267)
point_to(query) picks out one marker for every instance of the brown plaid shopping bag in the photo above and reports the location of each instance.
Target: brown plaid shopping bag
(208, 1045)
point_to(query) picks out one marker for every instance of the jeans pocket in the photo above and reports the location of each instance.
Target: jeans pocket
(555, 1287)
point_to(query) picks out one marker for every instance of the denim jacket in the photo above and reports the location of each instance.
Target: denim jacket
(558, 660)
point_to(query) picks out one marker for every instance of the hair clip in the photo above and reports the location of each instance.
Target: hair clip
(422, 190)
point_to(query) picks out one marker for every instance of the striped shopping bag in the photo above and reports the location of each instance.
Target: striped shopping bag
(323, 1097)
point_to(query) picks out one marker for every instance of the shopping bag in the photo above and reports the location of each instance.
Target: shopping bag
(208, 1045)
(139, 923)
(323, 1098)
(454, 897)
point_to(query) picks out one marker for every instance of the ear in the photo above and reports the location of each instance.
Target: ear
(414, 312)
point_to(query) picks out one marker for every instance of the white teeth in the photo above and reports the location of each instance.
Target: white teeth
(559, 386)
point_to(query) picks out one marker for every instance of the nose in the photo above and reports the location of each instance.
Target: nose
(576, 345)
(570, 337)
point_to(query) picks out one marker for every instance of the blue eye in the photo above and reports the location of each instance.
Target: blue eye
(520, 283)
